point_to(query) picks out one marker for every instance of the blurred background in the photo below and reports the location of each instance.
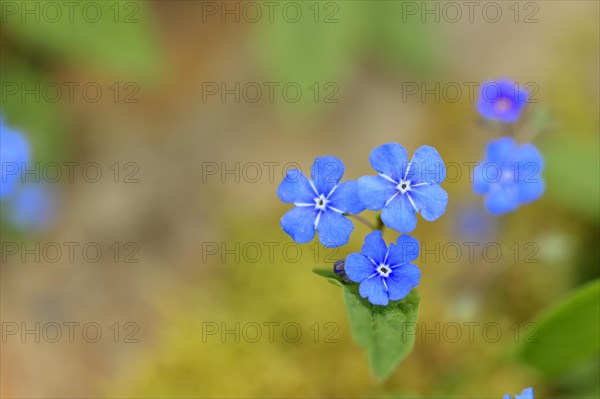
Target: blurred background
(142, 254)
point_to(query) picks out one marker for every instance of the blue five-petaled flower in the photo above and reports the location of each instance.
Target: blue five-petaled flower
(384, 273)
(402, 189)
(526, 394)
(502, 100)
(320, 203)
(509, 175)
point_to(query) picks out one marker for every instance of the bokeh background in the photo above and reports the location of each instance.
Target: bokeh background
(157, 123)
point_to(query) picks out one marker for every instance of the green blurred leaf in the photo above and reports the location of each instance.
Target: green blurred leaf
(401, 40)
(572, 173)
(111, 35)
(41, 121)
(568, 332)
(318, 47)
(385, 332)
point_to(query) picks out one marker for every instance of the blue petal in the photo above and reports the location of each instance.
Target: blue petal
(15, 153)
(402, 279)
(404, 251)
(501, 151)
(374, 247)
(345, 198)
(481, 184)
(299, 222)
(326, 173)
(33, 207)
(295, 187)
(400, 215)
(485, 108)
(334, 229)
(526, 394)
(527, 156)
(506, 396)
(374, 191)
(529, 192)
(502, 200)
(374, 290)
(390, 159)
(358, 267)
(430, 200)
(427, 166)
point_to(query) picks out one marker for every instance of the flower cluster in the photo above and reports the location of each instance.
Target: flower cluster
(400, 189)
(510, 174)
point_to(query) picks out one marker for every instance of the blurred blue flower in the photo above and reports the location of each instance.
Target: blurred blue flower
(502, 100)
(32, 207)
(402, 189)
(320, 203)
(509, 175)
(526, 394)
(14, 155)
(384, 273)
(473, 224)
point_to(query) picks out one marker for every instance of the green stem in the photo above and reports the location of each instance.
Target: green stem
(364, 221)
(378, 226)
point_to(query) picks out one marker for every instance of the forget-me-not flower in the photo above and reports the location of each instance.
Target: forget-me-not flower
(502, 100)
(526, 394)
(402, 189)
(384, 273)
(32, 207)
(320, 203)
(14, 155)
(509, 175)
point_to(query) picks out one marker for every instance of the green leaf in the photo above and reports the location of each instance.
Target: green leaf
(572, 166)
(568, 332)
(329, 275)
(111, 35)
(311, 59)
(47, 129)
(385, 332)
(401, 40)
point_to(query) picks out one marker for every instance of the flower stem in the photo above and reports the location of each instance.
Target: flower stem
(364, 221)
(378, 226)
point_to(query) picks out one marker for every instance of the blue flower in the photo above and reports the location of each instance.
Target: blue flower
(502, 100)
(384, 273)
(320, 204)
(509, 176)
(526, 394)
(402, 189)
(32, 207)
(14, 155)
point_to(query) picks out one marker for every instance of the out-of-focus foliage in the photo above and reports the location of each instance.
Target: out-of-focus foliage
(114, 36)
(569, 332)
(323, 47)
(573, 172)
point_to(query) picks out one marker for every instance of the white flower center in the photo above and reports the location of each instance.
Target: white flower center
(503, 105)
(403, 186)
(321, 202)
(384, 270)
(508, 176)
